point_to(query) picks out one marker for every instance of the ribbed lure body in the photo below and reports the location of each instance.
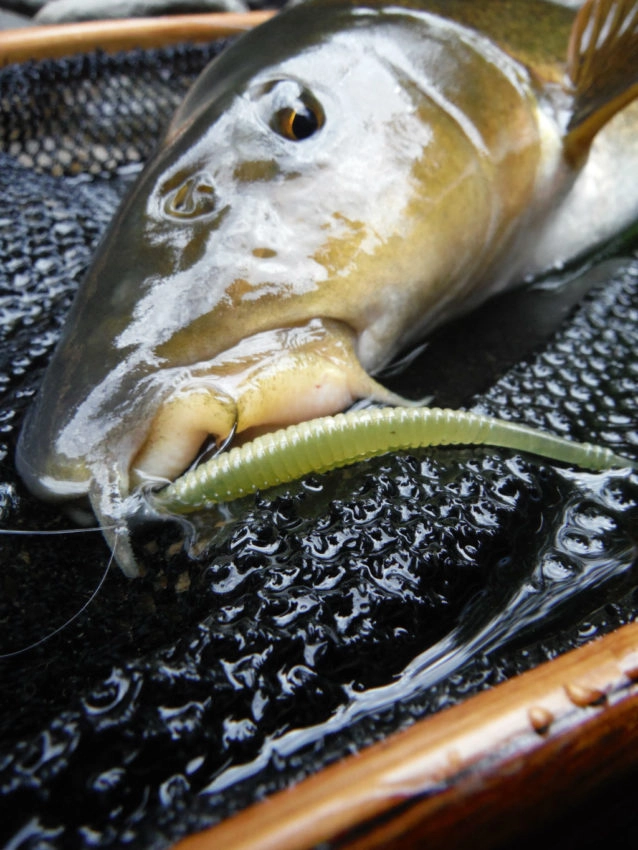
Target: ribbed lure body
(335, 441)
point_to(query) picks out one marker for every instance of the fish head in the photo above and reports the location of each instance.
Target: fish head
(327, 189)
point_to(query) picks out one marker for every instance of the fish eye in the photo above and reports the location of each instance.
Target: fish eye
(298, 122)
(291, 110)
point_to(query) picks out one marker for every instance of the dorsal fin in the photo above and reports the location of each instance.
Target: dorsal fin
(602, 65)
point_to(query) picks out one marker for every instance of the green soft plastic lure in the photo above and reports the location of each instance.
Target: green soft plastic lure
(334, 441)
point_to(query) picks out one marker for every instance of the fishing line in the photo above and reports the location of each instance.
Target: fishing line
(83, 608)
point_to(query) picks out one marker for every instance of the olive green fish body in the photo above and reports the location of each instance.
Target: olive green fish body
(337, 183)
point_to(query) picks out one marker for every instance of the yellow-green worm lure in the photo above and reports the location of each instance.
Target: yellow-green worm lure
(334, 441)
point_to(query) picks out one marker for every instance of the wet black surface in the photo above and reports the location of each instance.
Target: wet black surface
(314, 619)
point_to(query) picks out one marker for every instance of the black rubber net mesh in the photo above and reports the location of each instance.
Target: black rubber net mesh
(310, 620)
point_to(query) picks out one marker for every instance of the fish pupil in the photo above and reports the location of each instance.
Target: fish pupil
(297, 123)
(304, 124)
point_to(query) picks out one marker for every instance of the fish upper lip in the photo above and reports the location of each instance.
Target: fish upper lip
(194, 412)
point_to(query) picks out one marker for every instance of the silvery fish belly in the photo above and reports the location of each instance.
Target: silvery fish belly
(335, 184)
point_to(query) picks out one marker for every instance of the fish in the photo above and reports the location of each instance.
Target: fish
(340, 181)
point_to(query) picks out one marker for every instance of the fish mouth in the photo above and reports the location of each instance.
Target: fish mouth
(272, 379)
(268, 380)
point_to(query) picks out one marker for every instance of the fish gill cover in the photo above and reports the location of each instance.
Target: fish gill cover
(313, 619)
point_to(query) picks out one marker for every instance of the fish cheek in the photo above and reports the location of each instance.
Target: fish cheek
(257, 170)
(424, 269)
(197, 245)
(340, 251)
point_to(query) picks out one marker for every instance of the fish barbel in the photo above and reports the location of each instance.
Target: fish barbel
(337, 183)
